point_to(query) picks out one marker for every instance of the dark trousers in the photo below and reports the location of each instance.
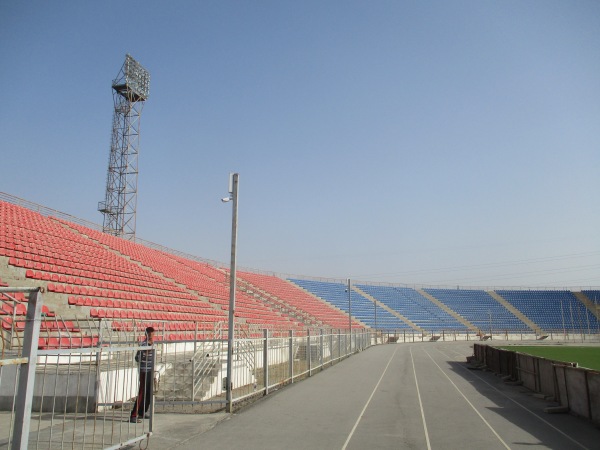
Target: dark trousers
(142, 403)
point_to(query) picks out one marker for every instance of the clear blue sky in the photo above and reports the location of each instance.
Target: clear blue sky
(434, 142)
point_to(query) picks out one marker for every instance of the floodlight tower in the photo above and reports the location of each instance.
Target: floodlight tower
(131, 88)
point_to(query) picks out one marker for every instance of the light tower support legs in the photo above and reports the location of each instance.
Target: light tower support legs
(130, 91)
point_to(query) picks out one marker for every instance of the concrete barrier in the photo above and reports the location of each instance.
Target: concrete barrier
(576, 388)
(579, 390)
(593, 383)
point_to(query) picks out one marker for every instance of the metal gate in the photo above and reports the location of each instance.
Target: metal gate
(58, 393)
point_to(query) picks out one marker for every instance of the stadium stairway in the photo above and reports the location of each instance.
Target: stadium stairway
(552, 310)
(101, 280)
(588, 303)
(307, 304)
(89, 274)
(516, 312)
(441, 305)
(207, 284)
(356, 322)
(388, 309)
(276, 303)
(213, 290)
(55, 332)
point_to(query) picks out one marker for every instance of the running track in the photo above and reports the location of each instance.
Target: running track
(413, 396)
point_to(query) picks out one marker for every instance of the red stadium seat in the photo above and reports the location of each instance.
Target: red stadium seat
(42, 343)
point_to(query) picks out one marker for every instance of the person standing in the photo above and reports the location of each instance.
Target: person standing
(145, 359)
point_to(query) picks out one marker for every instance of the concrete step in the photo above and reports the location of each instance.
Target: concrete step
(454, 314)
(387, 308)
(593, 308)
(515, 311)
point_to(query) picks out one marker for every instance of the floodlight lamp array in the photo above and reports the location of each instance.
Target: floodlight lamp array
(133, 81)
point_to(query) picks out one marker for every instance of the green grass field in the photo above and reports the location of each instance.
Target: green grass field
(588, 357)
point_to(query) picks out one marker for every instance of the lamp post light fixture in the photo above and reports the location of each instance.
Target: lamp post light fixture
(233, 197)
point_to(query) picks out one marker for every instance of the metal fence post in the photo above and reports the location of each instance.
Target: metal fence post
(151, 421)
(266, 359)
(321, 349)
(291, 356)
(331, 347)
(27, 372)
(98, 360)
(308, 352)
(192, 380)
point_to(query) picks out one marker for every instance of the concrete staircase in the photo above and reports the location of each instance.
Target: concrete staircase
(516, 312)
(355, 320)
(454, 314)
(594, 309)
(277, 304)
(15, 277)
(388, 309)
(188, 379)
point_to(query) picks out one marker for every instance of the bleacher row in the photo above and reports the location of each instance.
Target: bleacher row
(94, 275)
(462, 309)
(101, 276)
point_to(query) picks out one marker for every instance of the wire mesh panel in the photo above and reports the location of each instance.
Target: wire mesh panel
(278, 352)
(189, 375)
(61, 386)
(189, 367)
(247, 377)
(336, 345)
(299, 361)
(10, 366)
(83, 399)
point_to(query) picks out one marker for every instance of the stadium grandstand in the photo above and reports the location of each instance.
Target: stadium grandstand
(90, 275)
(101, 292)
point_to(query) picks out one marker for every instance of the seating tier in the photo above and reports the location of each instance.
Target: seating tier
(479, 308)
(552, 310)
(299, 300)
(361, 308)
(412, 305)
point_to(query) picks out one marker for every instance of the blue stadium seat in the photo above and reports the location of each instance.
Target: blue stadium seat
(479, 308)
(362, 308)
(414, 307)
(552, 310)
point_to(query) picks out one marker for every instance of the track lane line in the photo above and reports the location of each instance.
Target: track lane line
(368, 401)
(520, 405)
(468, 401)
(420, 402)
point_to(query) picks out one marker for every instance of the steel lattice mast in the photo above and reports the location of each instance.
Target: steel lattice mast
(130, 91)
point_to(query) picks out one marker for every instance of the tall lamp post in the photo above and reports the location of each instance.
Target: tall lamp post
(350, 312)
(233, 197)
(375, 314)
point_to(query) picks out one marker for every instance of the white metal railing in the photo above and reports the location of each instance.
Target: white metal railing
(73, 397)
